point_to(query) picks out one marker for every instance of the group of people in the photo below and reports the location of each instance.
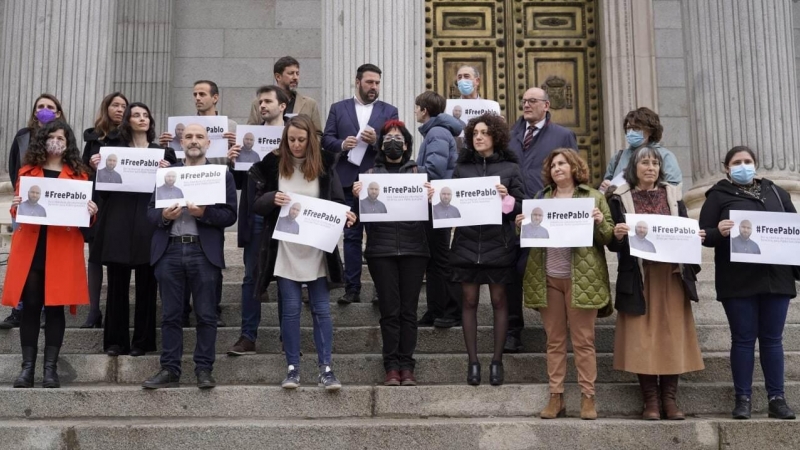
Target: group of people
(178, 251)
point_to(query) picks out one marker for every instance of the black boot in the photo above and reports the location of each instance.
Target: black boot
(742, 408)
(25, 378)
(50, 378)
(496, 373)
(474, 374)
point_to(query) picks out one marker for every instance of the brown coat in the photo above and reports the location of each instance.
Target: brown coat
(302, 105)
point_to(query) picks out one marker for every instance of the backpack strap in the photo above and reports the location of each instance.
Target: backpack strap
(783, 208)
(617, 157)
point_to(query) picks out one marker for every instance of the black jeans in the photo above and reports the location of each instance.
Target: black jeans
(443, 295)
(516, 321)
(115, 331)
(398, 281)
(32, 301)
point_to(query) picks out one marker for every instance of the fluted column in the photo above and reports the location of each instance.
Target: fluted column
(742, 89)
(387, 33)
(62, 47)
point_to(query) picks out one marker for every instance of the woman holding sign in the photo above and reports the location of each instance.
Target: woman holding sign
(301, 167)
(755, 296)
(485, 254)
(397, 254)
(569, 285)
(122, 244)
(46, 266)
(655, 334)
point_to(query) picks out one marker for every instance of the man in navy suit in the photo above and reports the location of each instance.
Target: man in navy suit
(349, 121)
(186, 252)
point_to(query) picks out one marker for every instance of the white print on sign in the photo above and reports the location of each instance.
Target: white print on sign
(54, 201)
(201, 185)
(765, 237)
(557, 222)
(126, 169)
(256, 142)
(215, 126)
(663, 238)
(462, 202)
(467, 109)
(393, 197)
(311, 221)
(356, 155)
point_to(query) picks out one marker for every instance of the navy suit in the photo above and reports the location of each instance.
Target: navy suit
(343, 122)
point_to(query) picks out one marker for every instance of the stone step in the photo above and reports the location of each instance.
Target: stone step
(351, 340)
(312, 402)
(359, 369)
(245, 433)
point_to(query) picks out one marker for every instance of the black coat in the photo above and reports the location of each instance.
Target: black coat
(489, 245)
(266, 175)
(395, 238)
(736, 279)
(629, 297)
(92, 145)
(246, 216)
(122, 233)
(18, 148)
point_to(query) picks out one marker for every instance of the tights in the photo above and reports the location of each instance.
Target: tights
(32, 301)
(95, 274)
(469, 318)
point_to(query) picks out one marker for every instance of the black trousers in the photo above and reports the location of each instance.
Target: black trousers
(516, 321)
(115, 331)
(32, 303)
(443, 295)
(398, 281)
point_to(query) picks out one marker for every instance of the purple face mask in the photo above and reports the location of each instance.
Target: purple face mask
(45, 116)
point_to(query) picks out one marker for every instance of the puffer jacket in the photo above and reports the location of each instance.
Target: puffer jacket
(488, 245)
(590, 286)
(438, 152)
(394, 238)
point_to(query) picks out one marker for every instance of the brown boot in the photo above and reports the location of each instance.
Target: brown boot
(555, 408)
(649, 385)
(669, 396)
(588, 411)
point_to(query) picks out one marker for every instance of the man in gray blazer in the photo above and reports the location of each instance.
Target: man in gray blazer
(287, 76)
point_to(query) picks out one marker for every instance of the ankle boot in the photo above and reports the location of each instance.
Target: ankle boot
(555, 408)
(588, 411)
(496, 376)
(649, 386)
(50, 378)
(25, 378)
(474, 374)
(669, 396)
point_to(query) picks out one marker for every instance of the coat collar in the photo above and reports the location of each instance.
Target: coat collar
(37, 171)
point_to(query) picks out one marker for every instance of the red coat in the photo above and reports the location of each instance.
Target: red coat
(65, 269)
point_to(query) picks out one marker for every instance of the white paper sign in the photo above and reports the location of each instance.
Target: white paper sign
(464, 202)
(663, 238)
(765, 237)
(557, 222)
(201, 185)
(54, 201)
(356, 155)
(215, 125)
(256, 142)
(125, 169)
(311, 221)
(393, 197)
(467, 109)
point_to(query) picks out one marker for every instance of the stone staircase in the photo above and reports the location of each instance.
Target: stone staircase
(101, 405)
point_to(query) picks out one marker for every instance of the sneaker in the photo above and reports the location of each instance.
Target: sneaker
(349, 297)
(778, 409)
(292, 380)
(12, 321)
(328, 380)
(243, 346)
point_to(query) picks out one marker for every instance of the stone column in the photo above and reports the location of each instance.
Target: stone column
(387, 33)
(62, 47)
(742, 90)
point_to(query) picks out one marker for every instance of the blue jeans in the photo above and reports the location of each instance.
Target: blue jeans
(760, 317)
(251, 306)
(353, 238)
(320, 302)
(185, 266)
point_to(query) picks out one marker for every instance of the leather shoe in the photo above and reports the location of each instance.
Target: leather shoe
(114, 350)
(513, 344)
(97, 323)
(163, 379)
(446, 322)
(426, 320)
(205, 380)
(474, 374)
(349, 297)
(137, 352)
(392, 378)
(407, 378)
(742, 408)
(496, 373)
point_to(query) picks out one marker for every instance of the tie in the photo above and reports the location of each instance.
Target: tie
(528, 138)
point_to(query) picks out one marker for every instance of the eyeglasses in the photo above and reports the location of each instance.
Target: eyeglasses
(393, 137)
(532, 101)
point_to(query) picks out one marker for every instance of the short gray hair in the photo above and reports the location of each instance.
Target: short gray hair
(475, 70)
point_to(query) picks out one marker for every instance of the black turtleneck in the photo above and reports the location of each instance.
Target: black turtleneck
(393, 167)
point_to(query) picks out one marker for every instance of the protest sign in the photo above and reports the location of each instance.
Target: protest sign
(467, 109)
(201, 185)
(256, 142)
(54, 201)
(311, 221)
(126, 169)
(765, 237)
(215, 126)
(393, 197)
(356, 154)
(462, 202)
(663, 238)
(557, 222)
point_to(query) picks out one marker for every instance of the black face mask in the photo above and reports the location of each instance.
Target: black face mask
(393, 149)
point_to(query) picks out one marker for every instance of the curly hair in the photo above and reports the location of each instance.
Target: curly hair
(498, 130)
(646, 120)
(36, 155)
(579, 168)
(125, 129)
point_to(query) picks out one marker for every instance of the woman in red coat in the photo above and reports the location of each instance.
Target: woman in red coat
(46, 266)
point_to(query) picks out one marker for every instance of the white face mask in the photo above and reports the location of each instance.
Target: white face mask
(55, 147)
